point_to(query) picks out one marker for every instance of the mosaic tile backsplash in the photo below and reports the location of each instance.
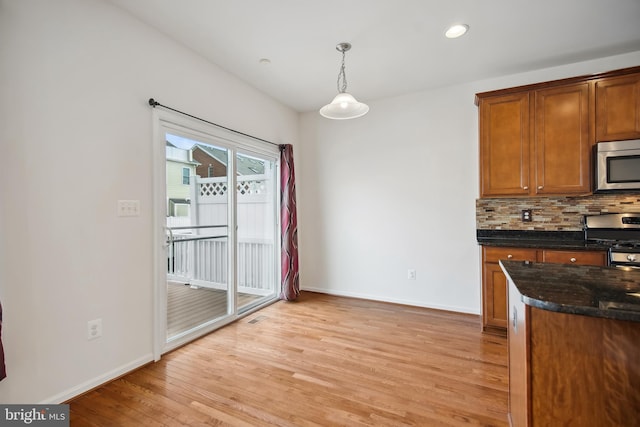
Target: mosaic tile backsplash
(550, 213)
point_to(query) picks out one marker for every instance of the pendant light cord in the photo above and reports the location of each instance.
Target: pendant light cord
(342, 88)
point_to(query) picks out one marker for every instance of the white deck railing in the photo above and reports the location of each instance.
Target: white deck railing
(205, 263)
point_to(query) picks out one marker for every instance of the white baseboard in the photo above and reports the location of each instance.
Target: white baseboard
(98, 381)
(392, 300)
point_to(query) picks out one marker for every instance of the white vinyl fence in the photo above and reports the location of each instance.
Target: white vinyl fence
(199, 256)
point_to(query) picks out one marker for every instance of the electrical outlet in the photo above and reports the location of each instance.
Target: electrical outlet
(94, 329)
(411, 274)
(527, 216)
(128, 207)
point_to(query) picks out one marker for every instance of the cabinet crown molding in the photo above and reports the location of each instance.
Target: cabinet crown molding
(560, 82)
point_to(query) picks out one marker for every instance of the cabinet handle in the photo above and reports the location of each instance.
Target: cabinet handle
(515, 320)
(525, 188)
(509, 256)
(573, 260)
(540, 187)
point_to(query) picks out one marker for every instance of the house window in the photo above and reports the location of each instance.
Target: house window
(185, 175)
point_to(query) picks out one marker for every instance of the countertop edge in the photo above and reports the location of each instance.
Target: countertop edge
(534, 244)
(562, 240)
(580, 310)
(623, 315)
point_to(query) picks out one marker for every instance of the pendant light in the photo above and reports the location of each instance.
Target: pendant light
(344, 105)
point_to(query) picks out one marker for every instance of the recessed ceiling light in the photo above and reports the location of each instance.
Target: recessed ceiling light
(265, 61)
(456, 31)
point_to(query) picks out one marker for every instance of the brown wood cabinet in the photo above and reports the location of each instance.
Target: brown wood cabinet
(557, 162)
(504, 145)
(568, 369)
(562, 149)
(494, 282)
(574, 257)
(537, 140)
(494, 285)
(618, 108)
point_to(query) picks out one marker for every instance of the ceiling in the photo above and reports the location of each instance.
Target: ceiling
(398, 45)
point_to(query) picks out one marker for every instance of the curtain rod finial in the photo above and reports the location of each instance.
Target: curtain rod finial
(152, 102)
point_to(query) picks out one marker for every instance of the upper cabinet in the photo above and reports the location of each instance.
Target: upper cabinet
(537, 140)
(562, 148)
(618, 108)
(504, 145)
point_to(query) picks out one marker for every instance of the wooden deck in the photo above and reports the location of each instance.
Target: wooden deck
(320, 361)
(188, 308)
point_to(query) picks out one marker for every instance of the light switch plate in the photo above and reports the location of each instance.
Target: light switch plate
(128, 207)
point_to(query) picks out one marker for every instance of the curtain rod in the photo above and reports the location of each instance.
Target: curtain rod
(155, 104)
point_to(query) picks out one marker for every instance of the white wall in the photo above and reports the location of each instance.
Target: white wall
(75, 77)
(396, 190)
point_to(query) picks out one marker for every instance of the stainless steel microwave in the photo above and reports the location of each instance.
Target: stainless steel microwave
(617, 166)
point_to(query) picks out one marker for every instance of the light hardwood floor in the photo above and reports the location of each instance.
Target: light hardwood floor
(188, 308)
(320, 361)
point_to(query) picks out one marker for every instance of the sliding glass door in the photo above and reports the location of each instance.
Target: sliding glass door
(197, 233)
(257, 236)
(219, 217)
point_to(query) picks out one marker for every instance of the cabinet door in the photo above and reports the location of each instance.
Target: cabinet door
(504, 145)
(494, 299)
(618, 108)
(575, 257)
(561, 143)
(494, 285)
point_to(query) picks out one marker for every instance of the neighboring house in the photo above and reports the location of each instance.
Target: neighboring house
(204, 161)
(181, 168)
(213, 162)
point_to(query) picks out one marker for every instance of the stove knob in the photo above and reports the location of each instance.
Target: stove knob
(631, 257)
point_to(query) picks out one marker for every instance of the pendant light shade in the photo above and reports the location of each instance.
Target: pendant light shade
(344, 105)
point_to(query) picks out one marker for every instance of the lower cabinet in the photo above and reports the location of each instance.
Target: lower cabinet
(494, 285)
(494, 282)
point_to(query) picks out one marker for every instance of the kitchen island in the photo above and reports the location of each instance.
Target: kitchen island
(574, 345)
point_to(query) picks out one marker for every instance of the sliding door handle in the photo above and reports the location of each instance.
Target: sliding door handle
(169, 240)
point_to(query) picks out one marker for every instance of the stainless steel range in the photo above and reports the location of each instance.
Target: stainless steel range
(620, 233)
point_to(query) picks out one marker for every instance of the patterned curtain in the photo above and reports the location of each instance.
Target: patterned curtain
(289, 226)
(3, 371)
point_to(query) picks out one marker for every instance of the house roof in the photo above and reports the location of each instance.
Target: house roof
(245, 165)
(173, 157)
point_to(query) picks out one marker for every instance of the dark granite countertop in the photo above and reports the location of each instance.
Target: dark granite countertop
(607, 292)
(569, 240)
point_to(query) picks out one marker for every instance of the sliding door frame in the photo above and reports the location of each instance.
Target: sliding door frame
(166, 121)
